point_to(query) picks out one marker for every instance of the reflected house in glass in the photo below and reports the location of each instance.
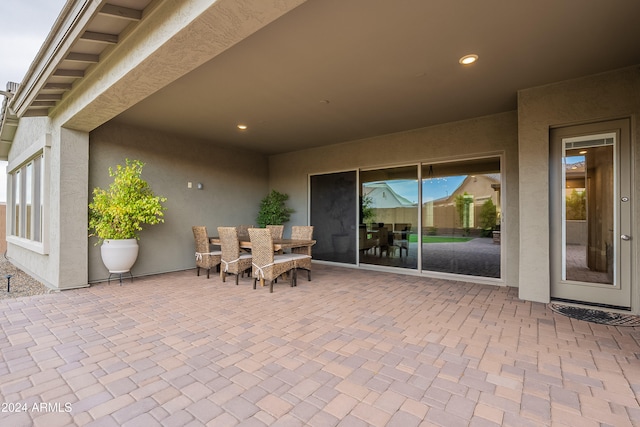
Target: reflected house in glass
(441, 216)
(389, 207)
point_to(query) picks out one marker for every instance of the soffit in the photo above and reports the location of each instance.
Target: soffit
(79, 43)
(332, 71)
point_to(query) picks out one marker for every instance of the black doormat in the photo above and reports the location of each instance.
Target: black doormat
(596, 316)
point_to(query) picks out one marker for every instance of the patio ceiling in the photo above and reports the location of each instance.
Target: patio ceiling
(333, 71)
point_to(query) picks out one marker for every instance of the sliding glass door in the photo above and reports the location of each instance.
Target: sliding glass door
(333, 215)
(461, 217)
(440, 217)
(388, 229)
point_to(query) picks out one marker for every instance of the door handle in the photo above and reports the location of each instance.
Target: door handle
(625, 237)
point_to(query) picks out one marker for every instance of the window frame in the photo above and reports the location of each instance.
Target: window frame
(36, 159)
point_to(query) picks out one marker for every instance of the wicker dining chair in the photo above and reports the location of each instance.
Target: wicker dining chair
(266, 265)
(233, 260)
(303, 232)
(276, 231)
(205, 257)
(242, 230)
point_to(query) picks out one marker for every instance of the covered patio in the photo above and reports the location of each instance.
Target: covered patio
(350, 348)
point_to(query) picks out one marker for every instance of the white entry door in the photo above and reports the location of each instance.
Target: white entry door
(590, 214)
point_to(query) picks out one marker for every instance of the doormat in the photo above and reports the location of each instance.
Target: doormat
(596, 316)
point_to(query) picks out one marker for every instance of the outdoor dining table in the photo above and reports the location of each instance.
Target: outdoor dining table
(278, 244)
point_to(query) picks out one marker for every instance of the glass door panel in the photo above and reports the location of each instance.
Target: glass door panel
(461, 208)
(589, 249)
(388, 229)
(333, 216)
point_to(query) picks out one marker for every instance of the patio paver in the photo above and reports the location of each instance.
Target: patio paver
(349, 348)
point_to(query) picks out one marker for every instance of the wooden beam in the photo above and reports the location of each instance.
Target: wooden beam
(48, 97)
(43, 104)
(82, 57)
(68, 73)
(57, 86)
(99, 37)
(121, 12)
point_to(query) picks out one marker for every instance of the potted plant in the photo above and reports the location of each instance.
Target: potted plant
(273, 210)
(116, 215)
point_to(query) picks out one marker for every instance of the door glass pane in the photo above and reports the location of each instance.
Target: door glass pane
(333, 216)
(387, 233)
(461, 217)
(588, 211)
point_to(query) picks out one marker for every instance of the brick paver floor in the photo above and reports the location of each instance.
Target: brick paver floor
(349, 348)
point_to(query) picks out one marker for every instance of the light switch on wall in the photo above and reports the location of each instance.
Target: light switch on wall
(189, 184)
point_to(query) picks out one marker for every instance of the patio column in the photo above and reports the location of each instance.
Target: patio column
(69, 199)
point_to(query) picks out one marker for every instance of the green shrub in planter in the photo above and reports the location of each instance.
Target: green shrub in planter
(273, 210)
(128, 204)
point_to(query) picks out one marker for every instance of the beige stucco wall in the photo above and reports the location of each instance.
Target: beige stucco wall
(477, 137)
(62, 265)
(595, 98)
(234, 182)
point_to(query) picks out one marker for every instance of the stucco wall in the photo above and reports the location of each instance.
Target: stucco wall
(591, 99)
(62, 265)
(234, 183)
(495, 134)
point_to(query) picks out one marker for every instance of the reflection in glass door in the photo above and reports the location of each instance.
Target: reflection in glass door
(388, 229)
(588, 230)
(461, 207)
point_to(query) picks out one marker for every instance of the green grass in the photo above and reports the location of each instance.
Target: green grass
(438, 239)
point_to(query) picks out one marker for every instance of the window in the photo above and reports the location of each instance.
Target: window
(26, 199)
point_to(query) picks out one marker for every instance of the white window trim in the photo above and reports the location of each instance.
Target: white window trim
(41, 147)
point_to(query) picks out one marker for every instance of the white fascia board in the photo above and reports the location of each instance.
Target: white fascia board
(70, 24)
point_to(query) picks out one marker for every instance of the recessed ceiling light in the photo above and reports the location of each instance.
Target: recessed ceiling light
(242, 127)
(468, 59)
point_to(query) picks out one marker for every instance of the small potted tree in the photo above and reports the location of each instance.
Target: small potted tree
(273, 209)
(116, 215)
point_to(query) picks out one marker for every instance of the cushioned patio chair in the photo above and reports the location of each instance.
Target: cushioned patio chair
(233, 260)
(205, 257)
(242, 230)
(266, 265)
(303, 232)
(276, 231)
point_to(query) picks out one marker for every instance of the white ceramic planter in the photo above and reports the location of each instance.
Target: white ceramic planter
(119, 255)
